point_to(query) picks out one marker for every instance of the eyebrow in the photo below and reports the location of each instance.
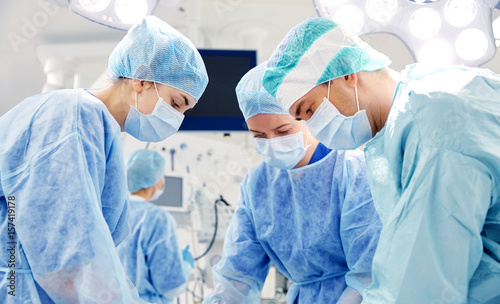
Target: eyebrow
(186, 101)
(255, 131)
(286, 124)
(299, 108)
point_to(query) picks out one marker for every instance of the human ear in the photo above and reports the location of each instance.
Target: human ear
(351, 80)
(137, 85)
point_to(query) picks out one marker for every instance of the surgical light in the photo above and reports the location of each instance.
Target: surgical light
(436, 31)
(119, 14)
(381, 10)
(425, 23)
(94, 5)
(460, 13)
(471, 44)
(436, 51)
(131, 11)
(350, 16)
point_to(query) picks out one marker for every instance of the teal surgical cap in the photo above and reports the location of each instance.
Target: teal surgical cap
(313, 52)
(154, 51)
(253, 98)
(145, 168)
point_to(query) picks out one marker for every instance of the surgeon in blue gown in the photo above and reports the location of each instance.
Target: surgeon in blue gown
(62, 175)
(151, 255)
(306, 209)
(433, 164)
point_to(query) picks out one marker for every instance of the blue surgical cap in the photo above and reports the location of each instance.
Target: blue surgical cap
(313, 52)
(145, 168)
(154, 51)
(253, 98)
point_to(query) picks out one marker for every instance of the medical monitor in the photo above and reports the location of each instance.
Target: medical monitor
(217, 109)
(173, 196)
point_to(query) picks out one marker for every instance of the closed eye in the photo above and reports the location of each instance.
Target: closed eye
(175, 105)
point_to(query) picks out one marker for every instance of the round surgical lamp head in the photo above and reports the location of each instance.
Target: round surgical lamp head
(118, 14)
(460, 13)
(439, 31)
(425, 23)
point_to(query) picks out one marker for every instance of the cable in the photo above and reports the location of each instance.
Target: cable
(197, 282)
(220, 200)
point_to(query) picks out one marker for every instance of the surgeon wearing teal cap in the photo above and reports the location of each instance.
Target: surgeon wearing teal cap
(306, 209)
(433, 164)
(151, 255)
(63, 176)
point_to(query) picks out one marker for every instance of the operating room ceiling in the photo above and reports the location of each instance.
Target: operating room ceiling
(222, 24)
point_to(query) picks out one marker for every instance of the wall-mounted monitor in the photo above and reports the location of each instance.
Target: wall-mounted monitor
(173, 196)
(217, 109)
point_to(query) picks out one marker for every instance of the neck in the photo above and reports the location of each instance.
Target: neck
(144, 193)
(313, 142)
(116, 100)
(379, 90)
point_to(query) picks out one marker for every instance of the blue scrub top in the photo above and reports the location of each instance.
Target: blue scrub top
(320, 152)
(316, 224)
(151, 255)
(63, 174)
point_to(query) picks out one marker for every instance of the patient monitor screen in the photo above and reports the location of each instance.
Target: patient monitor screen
(172, 196)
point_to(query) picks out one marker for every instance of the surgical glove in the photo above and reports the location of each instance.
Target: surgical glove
(187, 256)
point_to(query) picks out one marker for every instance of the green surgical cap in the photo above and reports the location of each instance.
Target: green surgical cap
(313, 52)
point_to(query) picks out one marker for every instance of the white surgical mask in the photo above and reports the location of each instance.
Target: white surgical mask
(158, 192)
(282, 152)
(163, 122)
(335, 130)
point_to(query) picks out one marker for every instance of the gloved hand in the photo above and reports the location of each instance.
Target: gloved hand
(187, 256)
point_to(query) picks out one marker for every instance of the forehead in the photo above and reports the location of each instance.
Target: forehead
(314, 94)
(174, 92)
(266, 122)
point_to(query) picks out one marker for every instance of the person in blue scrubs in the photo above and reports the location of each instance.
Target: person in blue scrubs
(433, 164)
(151, 255)
(306, 209)
(63, 189)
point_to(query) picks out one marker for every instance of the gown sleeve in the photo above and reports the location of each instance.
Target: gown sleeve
(431, 244)
(359, 228)
(240, 274)
(62, 230)
(168, 271)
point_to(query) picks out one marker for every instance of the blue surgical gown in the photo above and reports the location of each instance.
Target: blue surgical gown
(151, 255)
(316, 224)
(434, 170)
(63, 186)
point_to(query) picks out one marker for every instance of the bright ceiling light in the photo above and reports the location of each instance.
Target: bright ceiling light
(118, 14)
(423, 1)
(437, 52)
(460, 13)
(425, 23)
(471, 44)
(419, 23)
(131, 11)
(381, 10)
(95, 5)
(351, 17)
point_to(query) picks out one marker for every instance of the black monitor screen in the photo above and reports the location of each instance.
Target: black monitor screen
(172, 196)
(217, 109)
